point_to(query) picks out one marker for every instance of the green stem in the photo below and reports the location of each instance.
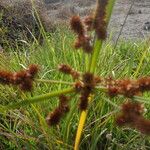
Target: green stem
(39, 98)
(83, 116)
(92, 68)
(137, 98)
(95, 54)
(98, 43)
(101, 88)
(142, 99)
(109, 10)
(54, 81)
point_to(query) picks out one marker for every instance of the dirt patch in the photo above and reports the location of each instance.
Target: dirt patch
(19, 22)
(134, 27)
(137, 25)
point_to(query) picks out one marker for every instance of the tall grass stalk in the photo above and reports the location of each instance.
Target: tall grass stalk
(91, 68)
(27, 127)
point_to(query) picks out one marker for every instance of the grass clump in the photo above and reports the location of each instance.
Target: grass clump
(26, 127)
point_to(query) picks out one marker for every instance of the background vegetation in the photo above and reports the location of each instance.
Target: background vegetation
(25, 128)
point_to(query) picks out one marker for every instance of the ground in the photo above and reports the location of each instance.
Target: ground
(138, 16)
(62, 10)
(133, 28)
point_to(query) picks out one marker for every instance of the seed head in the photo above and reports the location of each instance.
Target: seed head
(77, 25)
(65, 68)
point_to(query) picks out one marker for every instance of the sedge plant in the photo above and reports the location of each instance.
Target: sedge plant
(91, 33)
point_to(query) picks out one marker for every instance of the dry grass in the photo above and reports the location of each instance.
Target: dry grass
(20, 22)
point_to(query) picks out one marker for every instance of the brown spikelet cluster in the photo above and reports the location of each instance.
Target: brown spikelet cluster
(78, 86)
(100, 24)
(24, 78)
(68, 70)
(95, 22)
(88, 85)
(127, 87)
(144, 84)
(88, 21)
(77, 25)
(130, 112)
(97, 79)
(132, 116)
(143, 125)
(65, 68)
(85, 86)
(54, 117)
(6, 77)
(82, 41)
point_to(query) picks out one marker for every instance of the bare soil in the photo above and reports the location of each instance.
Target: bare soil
(134, 28)
(137, 25)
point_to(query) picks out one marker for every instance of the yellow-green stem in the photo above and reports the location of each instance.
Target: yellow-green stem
(91, 68)
(80, 129)
(54, 81)
(97, 48)
(39, 98)
(137, 98)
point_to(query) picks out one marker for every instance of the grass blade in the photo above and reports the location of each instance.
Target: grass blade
(80, 129)
(39, 98)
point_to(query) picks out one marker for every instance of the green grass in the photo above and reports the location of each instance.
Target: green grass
(26, 127)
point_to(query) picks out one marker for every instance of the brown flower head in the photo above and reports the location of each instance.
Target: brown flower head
(23, 78)
(65, 68)
(88, 21)
(54, 117)
(6, 77)
(100, 24)
(131, 111)
(77, 25)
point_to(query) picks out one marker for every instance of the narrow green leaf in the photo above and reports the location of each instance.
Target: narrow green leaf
(39, 98)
